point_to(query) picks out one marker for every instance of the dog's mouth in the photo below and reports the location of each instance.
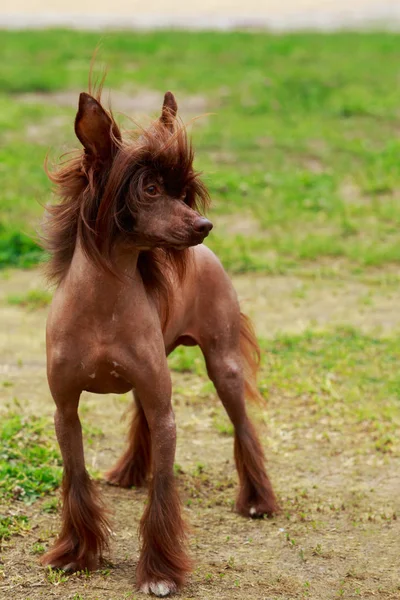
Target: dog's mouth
(188, 241)
(176, 241)
(194, 240)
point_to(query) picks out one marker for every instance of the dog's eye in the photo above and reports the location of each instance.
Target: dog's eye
(152, 190)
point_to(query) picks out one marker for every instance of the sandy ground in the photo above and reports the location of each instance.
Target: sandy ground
(211, 14)
(337, 536)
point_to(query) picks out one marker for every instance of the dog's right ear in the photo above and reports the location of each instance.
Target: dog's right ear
(95, 129)
(169, 110)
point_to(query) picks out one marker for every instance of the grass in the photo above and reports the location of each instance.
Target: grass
(12, 525)
(30, 468)
(32, 300)
(29, 463)
(303, 139)
(342, 377)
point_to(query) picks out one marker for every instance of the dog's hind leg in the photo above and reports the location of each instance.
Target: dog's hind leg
(133, 468)
(227, 364)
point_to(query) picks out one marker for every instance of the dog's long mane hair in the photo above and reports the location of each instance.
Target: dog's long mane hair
(97, 205)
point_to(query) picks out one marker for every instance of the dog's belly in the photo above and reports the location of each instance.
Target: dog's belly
(109, 386)
(106, 377)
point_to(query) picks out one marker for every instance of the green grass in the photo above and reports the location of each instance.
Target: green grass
(12, 525)
(33, 300)
(343, 378)
(29, 463)
(30, 467)
(303, 140)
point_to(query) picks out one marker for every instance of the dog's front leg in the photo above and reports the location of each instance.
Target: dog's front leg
(163, 562)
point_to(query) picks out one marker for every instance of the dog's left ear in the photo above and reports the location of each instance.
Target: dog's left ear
(169, 110)
(95, 129)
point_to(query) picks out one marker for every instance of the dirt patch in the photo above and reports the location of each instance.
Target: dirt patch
(337, 535)
(292, 304)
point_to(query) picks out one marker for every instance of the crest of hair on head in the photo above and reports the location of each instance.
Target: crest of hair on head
(91, 201)
(95, 85)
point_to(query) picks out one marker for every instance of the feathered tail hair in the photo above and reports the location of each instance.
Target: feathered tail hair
(251, 357)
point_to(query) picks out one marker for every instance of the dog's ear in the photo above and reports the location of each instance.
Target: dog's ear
(95, 129)
(169, 110)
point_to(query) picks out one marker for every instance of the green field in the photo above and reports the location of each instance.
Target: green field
(303, 138)
(299, 145)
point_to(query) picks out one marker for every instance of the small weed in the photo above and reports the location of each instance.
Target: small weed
(38, 548)
(105, 572)
(85, 573)
(199, 469)
(56, 576)
(50, 506)
(12, 525)
(291, 541)
(302, 556)
(178, 470)
(223, 426)
(306, 589)
(317, 551)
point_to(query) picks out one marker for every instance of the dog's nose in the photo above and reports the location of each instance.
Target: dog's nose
(202, 225)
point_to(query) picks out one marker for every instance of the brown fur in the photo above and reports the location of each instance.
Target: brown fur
(255, 487)
(84, 535)
(162, 521)
(133, 468)
(251, 357)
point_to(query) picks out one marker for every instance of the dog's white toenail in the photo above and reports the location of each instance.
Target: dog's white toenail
(160, 588)
(253, 511)
(69, 567)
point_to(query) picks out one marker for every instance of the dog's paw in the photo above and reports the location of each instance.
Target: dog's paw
(158, 588)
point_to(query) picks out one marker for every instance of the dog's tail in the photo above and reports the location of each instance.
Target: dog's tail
(251, 356)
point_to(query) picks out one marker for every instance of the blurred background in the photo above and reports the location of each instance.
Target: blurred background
(209, 14)
(298, 142)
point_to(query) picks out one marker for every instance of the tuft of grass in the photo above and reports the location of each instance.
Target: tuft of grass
(223, 425)
(50, 506)
(12, 525)
(29, 464)
(32, 300)
(38, 548)
(56, 576)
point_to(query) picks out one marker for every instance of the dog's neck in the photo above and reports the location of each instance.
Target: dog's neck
(124, 258)
(124, 265)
